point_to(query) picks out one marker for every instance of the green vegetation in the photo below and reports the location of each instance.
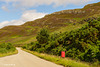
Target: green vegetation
(43, 36)
(7, 49)
(81, 44)
(9, 53)
(58, 60)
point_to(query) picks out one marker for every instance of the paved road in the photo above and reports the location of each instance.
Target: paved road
(24, 59)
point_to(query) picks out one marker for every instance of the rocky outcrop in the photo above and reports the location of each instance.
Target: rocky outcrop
(70, 11)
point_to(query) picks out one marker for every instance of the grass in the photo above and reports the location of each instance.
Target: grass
(7, 54)
(25, 40)
(66, 62)
(70, 27)
(19, 40)
(16, 36)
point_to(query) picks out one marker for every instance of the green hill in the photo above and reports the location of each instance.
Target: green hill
(61, 21)
(81, 44)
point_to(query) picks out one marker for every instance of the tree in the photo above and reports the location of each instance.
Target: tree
(43, 36)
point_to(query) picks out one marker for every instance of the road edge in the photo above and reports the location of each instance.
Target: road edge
(8, 54)
(58, 60)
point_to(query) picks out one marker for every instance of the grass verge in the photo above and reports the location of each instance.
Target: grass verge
(10, 53)
(66, 62)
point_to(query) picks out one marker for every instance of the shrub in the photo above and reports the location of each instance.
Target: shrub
(6, 47)
(43, 36)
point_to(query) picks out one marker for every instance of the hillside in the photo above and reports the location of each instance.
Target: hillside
(58, 21)
(83, 43)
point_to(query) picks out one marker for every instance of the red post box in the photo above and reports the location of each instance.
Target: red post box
(63, 54)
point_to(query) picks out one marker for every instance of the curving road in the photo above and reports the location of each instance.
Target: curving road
(24, 59)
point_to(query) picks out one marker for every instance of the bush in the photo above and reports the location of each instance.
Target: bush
(57, 51)
(74, 53)
(43, 36)
(6, 47)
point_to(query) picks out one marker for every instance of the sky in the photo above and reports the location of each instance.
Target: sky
(17, 12)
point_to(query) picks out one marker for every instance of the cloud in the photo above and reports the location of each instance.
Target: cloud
(34, 3)
(5, 8)
(28, 15)
(13, 22)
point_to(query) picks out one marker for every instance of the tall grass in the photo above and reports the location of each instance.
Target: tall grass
(66, 62)
(7, 54)
(7, 49)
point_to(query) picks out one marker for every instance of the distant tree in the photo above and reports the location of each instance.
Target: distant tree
(43, 36)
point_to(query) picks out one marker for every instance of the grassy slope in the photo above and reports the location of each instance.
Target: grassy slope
(58, 21)
(20, 40)
(10, 53)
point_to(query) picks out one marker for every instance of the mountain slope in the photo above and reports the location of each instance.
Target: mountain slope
(54, 22)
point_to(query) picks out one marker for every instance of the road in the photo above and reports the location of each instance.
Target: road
(24, 59)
